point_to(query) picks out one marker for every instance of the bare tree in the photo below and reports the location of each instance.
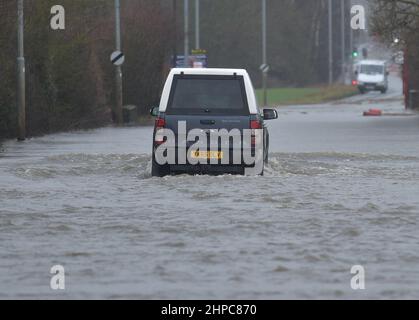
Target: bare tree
(395, 19)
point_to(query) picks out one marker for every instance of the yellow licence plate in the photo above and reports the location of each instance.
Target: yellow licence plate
(207, 155)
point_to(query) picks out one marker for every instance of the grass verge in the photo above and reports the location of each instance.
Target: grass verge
(315, 95)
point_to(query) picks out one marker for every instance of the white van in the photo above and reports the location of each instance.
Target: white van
(372, 75)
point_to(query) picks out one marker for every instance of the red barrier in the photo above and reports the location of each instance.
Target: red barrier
(373, 113)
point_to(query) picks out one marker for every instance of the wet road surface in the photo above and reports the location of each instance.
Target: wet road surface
(340, 190)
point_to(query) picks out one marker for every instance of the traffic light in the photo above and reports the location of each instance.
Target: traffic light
(365, 53)
(355, 53)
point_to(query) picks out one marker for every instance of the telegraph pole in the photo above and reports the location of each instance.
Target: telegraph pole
(119, 97)
(186, 35)
(21, 95)
(330, 43)
(197, 25)
(264, 68)
(343, 37)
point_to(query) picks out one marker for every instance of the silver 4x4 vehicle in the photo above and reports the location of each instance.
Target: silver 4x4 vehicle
(208, 122)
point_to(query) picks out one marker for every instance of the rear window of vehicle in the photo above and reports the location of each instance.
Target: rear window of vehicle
(208, 95)
(372, 69)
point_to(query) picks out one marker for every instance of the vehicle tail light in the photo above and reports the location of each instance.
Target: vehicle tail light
(160, 123)
(159, 136)
(254, 125)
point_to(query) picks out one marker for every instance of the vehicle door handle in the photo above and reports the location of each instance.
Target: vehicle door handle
(208, 122)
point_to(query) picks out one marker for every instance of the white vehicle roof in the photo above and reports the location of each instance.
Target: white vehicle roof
(209, 71)
(250, 92)
(373, 62)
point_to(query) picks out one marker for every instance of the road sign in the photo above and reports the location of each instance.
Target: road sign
(195, 61)
(264, 68)
(199, 52)
(117, 58)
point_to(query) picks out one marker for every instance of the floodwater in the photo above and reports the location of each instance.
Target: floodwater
(341, 190)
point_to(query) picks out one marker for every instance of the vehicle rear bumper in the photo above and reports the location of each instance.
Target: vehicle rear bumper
(208, 169)
(230, 165)
(372, 87)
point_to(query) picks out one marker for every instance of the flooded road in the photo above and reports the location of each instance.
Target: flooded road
(340, 190)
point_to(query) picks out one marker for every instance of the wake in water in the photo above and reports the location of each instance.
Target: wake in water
(77, 165)
(305, 164)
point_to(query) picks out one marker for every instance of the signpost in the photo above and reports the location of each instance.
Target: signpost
(330, 26)
(117, 58)
(264, 67)
(186, 33)
(197, 25)
(21, 96)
